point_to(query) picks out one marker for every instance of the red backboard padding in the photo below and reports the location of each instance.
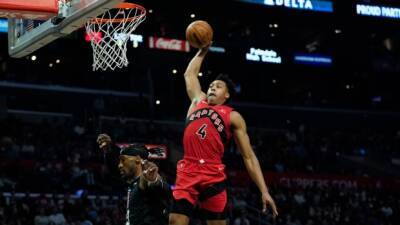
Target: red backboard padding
(50, 6)
(44, 9)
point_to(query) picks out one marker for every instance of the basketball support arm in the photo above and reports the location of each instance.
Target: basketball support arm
(55, 28)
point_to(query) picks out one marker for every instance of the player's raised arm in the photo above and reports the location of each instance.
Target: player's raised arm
(193, 87)
(111, 155)
(250, 160)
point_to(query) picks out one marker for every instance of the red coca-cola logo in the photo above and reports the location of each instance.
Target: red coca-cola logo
(169, 44)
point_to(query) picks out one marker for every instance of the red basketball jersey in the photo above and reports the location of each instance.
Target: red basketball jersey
(207, 131)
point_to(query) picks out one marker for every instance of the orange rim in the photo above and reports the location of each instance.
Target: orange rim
(123, 5)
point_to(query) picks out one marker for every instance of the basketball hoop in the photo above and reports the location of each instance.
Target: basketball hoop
(116, 26)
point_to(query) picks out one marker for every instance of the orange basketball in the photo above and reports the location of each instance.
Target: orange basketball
(199, 34)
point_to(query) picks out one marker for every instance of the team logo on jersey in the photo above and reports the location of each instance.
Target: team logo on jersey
(215, 118)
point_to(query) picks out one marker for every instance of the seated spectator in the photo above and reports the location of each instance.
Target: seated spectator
(41, 218)
(242, 219)
(57, 217)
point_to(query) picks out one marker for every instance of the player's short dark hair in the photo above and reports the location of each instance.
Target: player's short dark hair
(229, 83)
(135, 150)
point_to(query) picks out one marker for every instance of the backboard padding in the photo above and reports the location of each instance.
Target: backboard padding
(26, 36)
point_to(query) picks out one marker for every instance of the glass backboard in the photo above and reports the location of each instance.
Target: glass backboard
(27, 35)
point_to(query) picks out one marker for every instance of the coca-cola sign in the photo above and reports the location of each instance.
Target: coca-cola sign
(169, 44)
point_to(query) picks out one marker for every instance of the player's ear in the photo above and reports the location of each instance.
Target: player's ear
(138, 160)
(227, 95)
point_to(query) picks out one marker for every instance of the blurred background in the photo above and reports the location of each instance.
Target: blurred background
(322, 111)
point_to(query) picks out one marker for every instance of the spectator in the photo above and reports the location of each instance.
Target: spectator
(42, 218)
(242, 219)
(57, 217)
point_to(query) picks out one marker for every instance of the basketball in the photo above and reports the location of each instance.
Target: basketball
(199, 34)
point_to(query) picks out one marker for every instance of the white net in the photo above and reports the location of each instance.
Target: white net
(109, 34)
(63, 6)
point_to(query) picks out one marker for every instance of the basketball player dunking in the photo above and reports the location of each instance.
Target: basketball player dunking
(209, 126)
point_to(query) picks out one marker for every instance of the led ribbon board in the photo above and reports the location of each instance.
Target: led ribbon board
(311, 5)
(266, 56)
(313, 59)
(3, 25)
(378, 11)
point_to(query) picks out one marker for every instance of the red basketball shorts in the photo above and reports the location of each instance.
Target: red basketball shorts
(203, 183)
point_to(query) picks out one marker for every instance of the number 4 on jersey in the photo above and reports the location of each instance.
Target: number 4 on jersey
(202, 131)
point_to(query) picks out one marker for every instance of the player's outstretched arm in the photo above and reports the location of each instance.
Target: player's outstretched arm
(111, 154)
(250, 160)
(193, 87)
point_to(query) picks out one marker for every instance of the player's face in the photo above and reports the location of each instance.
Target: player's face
(217, 92)
(128, 166)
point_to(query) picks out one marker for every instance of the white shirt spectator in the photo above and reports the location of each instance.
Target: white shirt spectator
(42, 220)
(79, 130)
(6, 182)
(299, 198)
(279, 167)
(28, 149)
(86, 222)
(241, 221)
(239, 203)
(291, 137)
(387, 211)
(57, 219)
